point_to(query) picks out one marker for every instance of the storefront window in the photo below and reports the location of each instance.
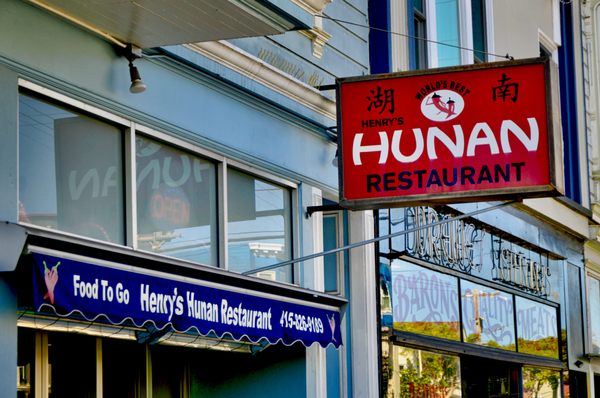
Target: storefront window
(537, 332)
(176, 203)
(259, 218)
(488, 316)
(70, 171)
(424, 301)
(169, 372)
(412, 373)
(123, 368)
(26, 363)
(72, 365)
(539, 382)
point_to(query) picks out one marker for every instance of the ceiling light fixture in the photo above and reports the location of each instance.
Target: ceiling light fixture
(137, 85)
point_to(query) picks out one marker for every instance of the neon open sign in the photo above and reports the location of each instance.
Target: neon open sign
(448, 135)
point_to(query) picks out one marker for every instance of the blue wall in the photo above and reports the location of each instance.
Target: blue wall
(275, 372)
(181, 99)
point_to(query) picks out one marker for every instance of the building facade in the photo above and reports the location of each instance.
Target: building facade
(491, 305)
(589, 24)
(140, 230)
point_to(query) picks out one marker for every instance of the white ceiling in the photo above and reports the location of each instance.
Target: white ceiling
(152, 23)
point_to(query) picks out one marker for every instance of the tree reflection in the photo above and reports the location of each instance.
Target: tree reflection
(538, 383)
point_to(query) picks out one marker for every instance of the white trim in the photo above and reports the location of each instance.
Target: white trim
(399, 43)
(363, 293)
(316, 356)
(556, 21)
(549, 44)
(431, 24)
(130, 170)
(318, 38)
(222, 217)
(72, 102)
(258, 70)
(489, 30)
(175, 277)
(465, 22)
(560, 215)
(312, 6)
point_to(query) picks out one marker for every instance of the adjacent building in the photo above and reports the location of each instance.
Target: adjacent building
(493, 304)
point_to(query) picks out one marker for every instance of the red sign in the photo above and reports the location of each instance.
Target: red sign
(447, 135)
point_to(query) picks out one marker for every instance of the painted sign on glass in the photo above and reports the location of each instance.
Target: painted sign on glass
(424, 301)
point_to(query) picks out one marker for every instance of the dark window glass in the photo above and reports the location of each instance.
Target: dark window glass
(70, 171)
(176, 203)
(26, 363)
(488, 316)
(537, 332)
(575, 308)
(420, 32)
(424, 301)
(331, 261)
(169, 370)
(123, 369)
(72, 365)
(479, 36)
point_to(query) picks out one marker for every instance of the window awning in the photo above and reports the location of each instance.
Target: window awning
(73, 286)
(153, 23)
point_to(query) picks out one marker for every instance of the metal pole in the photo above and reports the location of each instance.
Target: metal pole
(377, 239)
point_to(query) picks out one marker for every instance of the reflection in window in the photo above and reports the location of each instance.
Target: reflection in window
(258, 228)
(594, 312)
(447, 25)
(488, 316)
(70, 172)
(539, 382)
(536, 328)
(424, 301)
(176, 203)
(411, 373)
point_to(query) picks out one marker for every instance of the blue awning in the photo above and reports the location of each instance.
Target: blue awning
(125, 295)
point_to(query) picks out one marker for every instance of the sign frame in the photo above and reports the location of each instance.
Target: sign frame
(554, 187)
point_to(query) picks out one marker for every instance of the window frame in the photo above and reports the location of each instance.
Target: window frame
(131, 129)
(42, 94)
(340, 277)
(465, 27)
